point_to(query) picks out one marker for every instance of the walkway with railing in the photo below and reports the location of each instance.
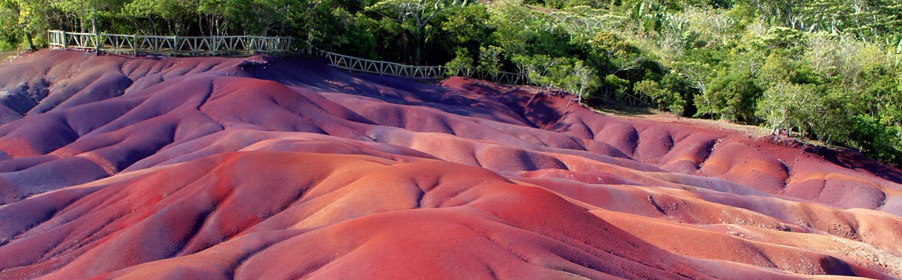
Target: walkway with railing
(230, 45)
(357, 64)
(171, 45)
(382, 67)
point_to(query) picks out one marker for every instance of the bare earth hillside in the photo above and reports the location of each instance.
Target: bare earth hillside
(281, 168)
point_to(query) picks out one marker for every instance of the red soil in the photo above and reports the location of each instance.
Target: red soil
(276, 168)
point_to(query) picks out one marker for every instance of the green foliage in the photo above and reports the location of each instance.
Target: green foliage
(417, 19)
(864, 19)
(355, 36)
(732, 95)
(778, 68)
(467, 26)
(462, 64)
(572, 75)
(781, 40)
(663, 98)
(6, 46)
(877, 139)
(610, 52)
(489, 61)
(522, 31)
(616, 87)
(23, 20)
(538, 68)
(813, 111)
(577, 78)
(781, 106)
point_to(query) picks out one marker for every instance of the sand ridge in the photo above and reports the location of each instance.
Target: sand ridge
(276, 168)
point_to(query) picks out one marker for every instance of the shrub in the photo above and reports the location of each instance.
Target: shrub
(877, 140)
(663, 98)
(734, 95)
(462, 64)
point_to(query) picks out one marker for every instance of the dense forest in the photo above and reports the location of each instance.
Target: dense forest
(829, 70)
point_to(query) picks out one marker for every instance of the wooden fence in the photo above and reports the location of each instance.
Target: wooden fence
(172, 45)
(224, 45)
(382, 67)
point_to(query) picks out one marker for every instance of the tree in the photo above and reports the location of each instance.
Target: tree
(780, 106)
(354, 34)
(516, 25)
(613, 54)
(581, 81)
(415, 16)
(489, 61)
(812, 110)
(84, 14)
(521, 31)
(732, 95)
(467, 26)
(26, 16)
(616, 88)
(663, 98)
(538, 68)
(696, 75)
(877, 139)
(315, 22)
(9, 31)
(164, 16)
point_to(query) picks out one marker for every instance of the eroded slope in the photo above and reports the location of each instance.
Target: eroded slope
(275, 168)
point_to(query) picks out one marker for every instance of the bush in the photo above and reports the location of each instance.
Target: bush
(663, 98)
(577, 78)
(489, 61)
(780, 106)
(733, 96)
(877, 140)
(6, 46)
(814, 111)
(461, 65)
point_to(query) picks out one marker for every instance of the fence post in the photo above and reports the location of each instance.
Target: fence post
(135, 45)
(214, 46)
(174, 49)
(96, 36)
(65, 40)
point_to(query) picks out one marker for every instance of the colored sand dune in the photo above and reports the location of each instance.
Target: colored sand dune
(280, 168)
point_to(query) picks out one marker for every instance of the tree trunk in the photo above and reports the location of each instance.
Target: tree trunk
(417, 53)
(30, 41)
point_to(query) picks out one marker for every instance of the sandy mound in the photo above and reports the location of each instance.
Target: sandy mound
(279, 168)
